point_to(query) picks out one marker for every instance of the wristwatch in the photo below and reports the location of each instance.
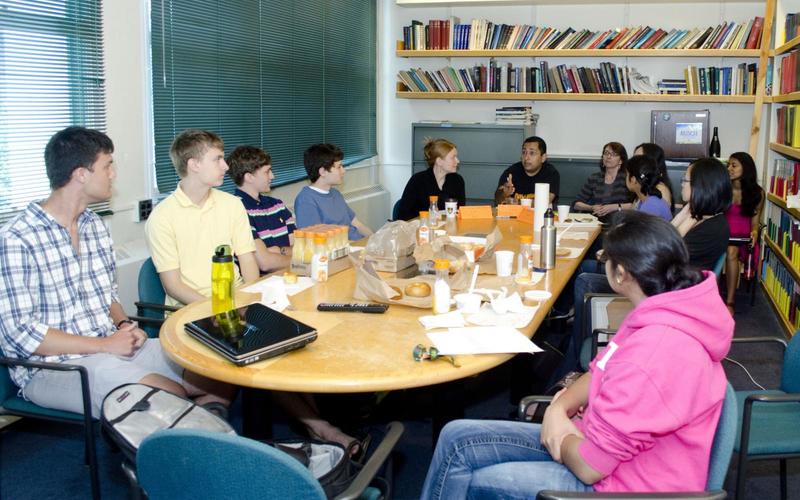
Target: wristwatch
(124, 322)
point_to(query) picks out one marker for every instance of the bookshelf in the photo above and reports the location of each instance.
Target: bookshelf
(750, 53)
(549, 96)
(787, 151)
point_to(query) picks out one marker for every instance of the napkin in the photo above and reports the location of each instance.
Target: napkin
(453, 319)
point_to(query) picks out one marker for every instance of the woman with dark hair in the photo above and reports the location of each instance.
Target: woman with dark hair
(744, 216)
(634, 411)
(643, 179)
(655, 152)
(440, 179)
(706, 189)
(605, 191)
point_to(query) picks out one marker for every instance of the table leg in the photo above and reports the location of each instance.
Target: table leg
(256, 413)
(448, 405)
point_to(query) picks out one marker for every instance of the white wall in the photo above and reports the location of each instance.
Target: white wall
(577, 129)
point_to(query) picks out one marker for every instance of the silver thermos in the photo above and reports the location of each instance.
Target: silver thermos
(547, 245)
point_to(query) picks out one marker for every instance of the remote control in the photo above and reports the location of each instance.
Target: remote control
(365, 308)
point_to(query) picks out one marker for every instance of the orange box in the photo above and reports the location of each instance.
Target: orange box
(507, 210)
(525, 215)
(475, 212)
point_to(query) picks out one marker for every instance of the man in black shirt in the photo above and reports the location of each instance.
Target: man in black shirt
(520, 179)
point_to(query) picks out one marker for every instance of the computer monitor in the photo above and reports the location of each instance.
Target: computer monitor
(683, 135)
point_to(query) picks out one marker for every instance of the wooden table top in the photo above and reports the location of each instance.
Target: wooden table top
(357, 352)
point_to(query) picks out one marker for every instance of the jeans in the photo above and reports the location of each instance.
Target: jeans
(494, 459)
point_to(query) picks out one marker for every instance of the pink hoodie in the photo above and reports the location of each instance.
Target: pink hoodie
(656, 393)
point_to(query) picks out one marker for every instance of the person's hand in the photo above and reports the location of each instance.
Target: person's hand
(128, 339)
(556, 425)
(603, 210)
(753, 237)
(508, 187)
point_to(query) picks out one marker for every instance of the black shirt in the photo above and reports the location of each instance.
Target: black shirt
(422, 185)
(525, 185)
(707, 241)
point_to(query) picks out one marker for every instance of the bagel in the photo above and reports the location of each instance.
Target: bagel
(289, 278)
(418, 289)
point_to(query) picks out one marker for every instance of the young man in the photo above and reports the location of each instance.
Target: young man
(185, 228)
(319, 203)
(271, 223)
(520, 179)
(59, 300)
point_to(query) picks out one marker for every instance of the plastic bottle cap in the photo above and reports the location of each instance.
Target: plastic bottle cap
(526, 239)
(320, 239)
(433, 197)
(423, 214)
(441, 264)
(299, 234)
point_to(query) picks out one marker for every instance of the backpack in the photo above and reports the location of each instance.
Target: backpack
(131, 412)
(327, 461)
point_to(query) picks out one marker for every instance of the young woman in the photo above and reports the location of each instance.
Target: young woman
(706, 189)
(439, 179)
(605, 191)
(643, 180)
(655, 152)
(637, 421)
(744, 216)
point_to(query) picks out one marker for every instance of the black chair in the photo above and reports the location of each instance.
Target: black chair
(12, 404)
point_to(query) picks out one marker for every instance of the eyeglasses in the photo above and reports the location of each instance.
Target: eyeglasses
(684, 180)
(610, 153)
(422, 353)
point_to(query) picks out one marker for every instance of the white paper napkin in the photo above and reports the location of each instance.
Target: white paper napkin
(453, 319)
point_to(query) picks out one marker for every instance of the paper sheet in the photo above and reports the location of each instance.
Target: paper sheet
(487, 317)
(275, 292)
(448, 320)
(482, 340)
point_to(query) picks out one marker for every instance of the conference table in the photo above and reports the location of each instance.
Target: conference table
(358, 352)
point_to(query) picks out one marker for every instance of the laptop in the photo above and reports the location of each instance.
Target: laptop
(260, 334)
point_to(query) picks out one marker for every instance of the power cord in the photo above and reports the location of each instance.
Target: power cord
(747, 372)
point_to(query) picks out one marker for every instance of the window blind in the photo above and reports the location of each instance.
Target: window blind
(51, 77)
(281, 75)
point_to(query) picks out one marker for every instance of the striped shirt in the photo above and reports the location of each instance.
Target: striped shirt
(270, 220)
(596, 191)
(46, 284)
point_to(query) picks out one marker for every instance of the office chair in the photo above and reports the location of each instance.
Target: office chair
(719, 264)
(13, 404)
(193, 463)
(150, 307)
(396, 210)
(768, 420)
(721, 451)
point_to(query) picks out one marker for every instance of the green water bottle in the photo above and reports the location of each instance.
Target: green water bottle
(222, 280)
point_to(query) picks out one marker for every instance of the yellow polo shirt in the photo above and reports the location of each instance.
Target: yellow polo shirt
(182, 235)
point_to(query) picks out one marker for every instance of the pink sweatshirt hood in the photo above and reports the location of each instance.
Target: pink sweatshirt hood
(656, 393)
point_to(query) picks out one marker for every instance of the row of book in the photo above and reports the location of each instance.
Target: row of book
(785, 178)
(791, 26)
(789, 74)
(607, 79)
(738, 80)
(788, 128)
(480, 34)
(780, 285)
(515, 115)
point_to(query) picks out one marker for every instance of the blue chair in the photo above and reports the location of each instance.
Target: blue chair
(718, 265)
(721, 452)
(12, 404)
(191, 463)
(769, 421)
(150, 308)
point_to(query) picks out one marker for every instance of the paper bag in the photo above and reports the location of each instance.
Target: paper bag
(369, 286)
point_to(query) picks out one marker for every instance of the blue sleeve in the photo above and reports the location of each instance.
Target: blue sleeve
(306, 211)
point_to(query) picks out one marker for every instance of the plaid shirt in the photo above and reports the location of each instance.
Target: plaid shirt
(46, 285)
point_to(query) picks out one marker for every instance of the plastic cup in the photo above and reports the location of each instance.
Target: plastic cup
(468, 302)
(450, 208)
(563, 213)
(504, 260)
(526, 202)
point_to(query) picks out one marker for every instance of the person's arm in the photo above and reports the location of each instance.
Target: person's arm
(505, 188)
(362, 228)
(461, 191)
(248, 267)
(557, 423)
(124, 342)
(270, 258)
(575, 462)
(177, 289)
(584, 196)
(666, 195)
(683, 222)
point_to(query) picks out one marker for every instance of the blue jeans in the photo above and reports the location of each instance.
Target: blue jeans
(494, 459)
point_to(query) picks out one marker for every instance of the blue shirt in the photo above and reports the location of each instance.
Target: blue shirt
(655, 206)
(46, 284)
(270, 220)
(313, 207)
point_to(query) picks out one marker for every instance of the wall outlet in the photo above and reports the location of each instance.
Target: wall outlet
(142, 210)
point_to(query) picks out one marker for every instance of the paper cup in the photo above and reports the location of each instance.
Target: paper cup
(450, 208)
(563, 213)
(468, 302)
(526, 202)
(504, 262)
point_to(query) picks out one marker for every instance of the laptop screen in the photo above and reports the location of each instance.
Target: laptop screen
(257, 327)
